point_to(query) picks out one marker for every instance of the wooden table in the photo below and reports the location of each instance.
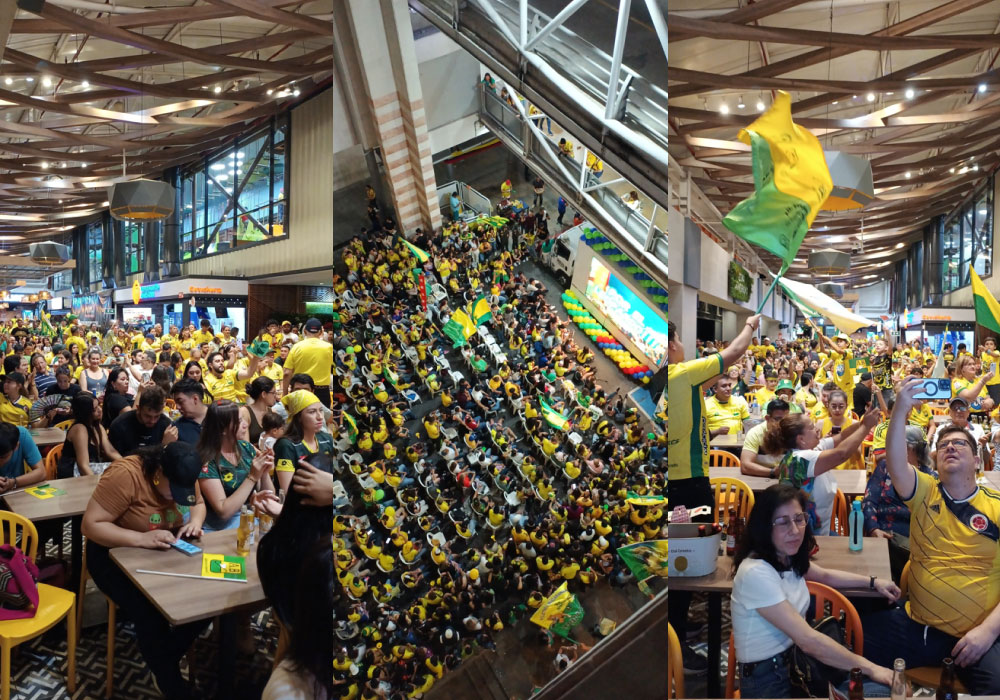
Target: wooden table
(940, 420)
(728, 441)
(183, 600)
(851, 481)
(71, 504)
(833, 553)
(46, 437)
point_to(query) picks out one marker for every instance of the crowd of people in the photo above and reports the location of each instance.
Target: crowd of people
(456, 521)
(185, 427)
(813, 404)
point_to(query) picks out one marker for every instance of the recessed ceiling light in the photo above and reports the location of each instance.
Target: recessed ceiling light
(836, 101)
(85, 84)
(269, 91)
(723, 108)
(951, 170)
(740, 105)
(8, 81)
(855, 97)
(760, 106)
(899, 245)
(44, 164)
(30, 80)
(295, 92)
(982, 87)
(871, 96)
(907, 175)
(217, 89)
(889, 94)
(909, 93)
(46, 81)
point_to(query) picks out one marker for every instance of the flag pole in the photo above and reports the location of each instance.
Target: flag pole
(784, 269)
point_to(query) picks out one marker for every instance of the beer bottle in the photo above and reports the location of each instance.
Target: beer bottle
(731, 533)
(856, 686)
(898, 689)
(946, 687)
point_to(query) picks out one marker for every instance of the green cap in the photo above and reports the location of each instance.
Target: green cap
(784, 384)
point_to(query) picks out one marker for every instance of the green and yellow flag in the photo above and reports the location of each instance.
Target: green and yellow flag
(791, 182)
(645, 559)
(420, 255)
(481, 311)
(987, 308)
(459, 328)
(351, 426)
(552, 416)
(560, 612)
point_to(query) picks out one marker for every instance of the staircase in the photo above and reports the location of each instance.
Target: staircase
(474, 679)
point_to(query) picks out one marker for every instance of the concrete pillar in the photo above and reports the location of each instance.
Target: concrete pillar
(387, 58)
(107, 254)
(684, 313)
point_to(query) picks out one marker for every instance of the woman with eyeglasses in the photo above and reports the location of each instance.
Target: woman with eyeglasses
(770, 599)
(263, 395)
(807, 459)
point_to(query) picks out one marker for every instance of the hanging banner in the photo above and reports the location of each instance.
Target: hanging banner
(739, 282)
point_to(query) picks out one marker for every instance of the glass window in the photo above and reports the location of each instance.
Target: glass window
(133, 248)
(95, 245)
(237, 196)
(968, 240)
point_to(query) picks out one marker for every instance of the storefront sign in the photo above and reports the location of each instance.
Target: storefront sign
(935, 317)
(180, 288)
(136, 292)
(739, 282)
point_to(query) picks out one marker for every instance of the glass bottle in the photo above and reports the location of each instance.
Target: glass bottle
(946, 687)
(856, 685)
(898, 689)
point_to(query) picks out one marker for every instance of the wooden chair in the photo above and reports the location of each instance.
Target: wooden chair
(54, 604)
(853, 632)
(838, 521)
(924, 676)
(721, 458)
(733, 498)
(675, 665)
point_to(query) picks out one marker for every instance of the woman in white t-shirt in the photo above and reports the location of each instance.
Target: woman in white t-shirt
(808, 459)
(770, 599)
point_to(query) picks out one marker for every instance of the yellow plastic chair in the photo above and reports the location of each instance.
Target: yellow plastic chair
(924, 676)
(112, 609)
(733, 499)
(54, 604)
(721, 458)
(675, 665)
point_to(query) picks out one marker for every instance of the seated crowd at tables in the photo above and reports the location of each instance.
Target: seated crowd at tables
(184, 429)
(451, 528)
(922, 495)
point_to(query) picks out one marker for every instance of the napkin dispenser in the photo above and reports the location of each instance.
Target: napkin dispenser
(689, 554)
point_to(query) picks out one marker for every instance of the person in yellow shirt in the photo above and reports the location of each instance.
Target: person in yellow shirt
(970, 387)
(204, 334)
(725, 413)
(221, 381)
(841, 356)
(766, 392)
(273, 333)
(76, 339)
(15, 408)
(990, 360)
(311, 356)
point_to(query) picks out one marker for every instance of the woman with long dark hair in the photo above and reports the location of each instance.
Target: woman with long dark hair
(770, 598)
(263, 395)
(306, 672)
(86, 440)
(232, 468)
(93, 378)
(193, 370)
(116, 396)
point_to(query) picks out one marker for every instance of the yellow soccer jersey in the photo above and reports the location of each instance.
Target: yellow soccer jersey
(921, 415)
(954, 558)
(843, 374)
(223, 387)
(730, 415)
(17, 413)
(687, 451)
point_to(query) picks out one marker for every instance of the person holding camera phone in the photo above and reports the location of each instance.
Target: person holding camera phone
(958, 415)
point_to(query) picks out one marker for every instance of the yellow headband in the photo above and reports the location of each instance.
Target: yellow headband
(297, 401)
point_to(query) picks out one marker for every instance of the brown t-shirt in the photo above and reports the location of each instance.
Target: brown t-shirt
(126, 493)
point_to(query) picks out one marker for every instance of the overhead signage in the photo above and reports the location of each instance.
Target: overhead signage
(205, 290)
(739, 282)
(136, 292)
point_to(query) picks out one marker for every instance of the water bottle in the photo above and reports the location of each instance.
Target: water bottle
(857, 522)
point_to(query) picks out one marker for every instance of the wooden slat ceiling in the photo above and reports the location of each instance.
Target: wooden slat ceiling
(896, 82)
(160, 81)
